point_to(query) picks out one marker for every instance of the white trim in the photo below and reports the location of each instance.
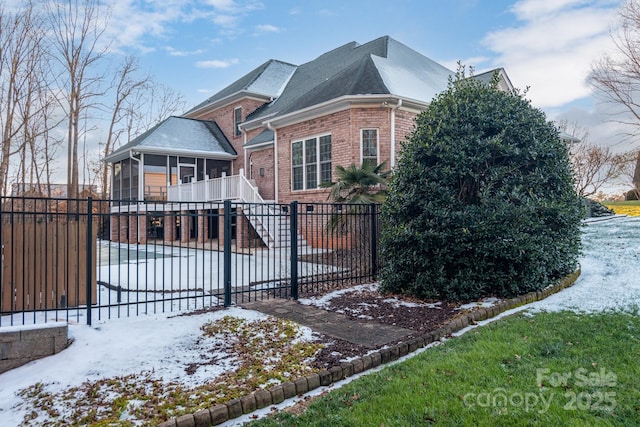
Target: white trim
(276, 173)
(304, 160)
(237, 130)
(362, 144)
(228, 100)
(392, 155)
(333, 106)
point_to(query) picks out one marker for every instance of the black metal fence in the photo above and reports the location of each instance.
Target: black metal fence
(85, 259)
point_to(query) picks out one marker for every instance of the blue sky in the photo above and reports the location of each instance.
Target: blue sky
(200, 46)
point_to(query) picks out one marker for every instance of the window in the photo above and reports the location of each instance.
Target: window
(237, 119)
(370, 146)
(310, 162)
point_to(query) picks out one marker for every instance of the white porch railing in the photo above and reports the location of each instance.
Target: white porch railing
(262, 216)
(210, 190)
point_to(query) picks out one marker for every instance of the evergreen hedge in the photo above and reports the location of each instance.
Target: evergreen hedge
(482, 201)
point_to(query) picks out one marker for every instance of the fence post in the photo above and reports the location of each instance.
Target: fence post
(227, 253)
(374, 242)
(294, 249)
(89, 263)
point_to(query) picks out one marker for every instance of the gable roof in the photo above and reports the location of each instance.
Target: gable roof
(503, 83)
(181, 136)
(382, 66)
(266, 81)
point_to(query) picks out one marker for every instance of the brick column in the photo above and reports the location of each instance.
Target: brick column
(114, 228)
(184, 226)
(123, 231)
(203, 226)
(133, 228)
(242, 231)
(142, 226)
(169, 225)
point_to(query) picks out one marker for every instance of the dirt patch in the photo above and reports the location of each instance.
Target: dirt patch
(363, 303)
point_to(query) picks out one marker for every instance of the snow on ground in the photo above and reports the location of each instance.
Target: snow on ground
(167, 268)
(325, 300)
(610, 278)
(161, 344)
(165, 344)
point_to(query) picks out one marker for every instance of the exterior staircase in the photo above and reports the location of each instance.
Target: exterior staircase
(268, 219)
(270, 222)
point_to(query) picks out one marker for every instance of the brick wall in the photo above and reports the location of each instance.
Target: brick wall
(405, 124)
(345, 128)
(266, 184)
(22, 344)
(225, 119)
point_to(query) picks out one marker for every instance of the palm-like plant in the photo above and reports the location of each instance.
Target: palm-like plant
(359, 184)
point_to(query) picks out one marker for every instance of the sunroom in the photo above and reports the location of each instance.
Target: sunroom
(179, 158)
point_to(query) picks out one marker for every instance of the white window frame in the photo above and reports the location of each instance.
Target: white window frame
(318, 163)
(237, 121)
(362, 157)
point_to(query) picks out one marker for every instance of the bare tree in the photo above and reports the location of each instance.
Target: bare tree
(593, 166)
(160, 102)
(631, 174)
(616, 76)
(76, 27)
(19, 52)
(126, 86)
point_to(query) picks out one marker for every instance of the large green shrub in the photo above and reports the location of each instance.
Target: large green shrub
(482, 201)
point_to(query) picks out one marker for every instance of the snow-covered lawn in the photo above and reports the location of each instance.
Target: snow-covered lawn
(162, 346)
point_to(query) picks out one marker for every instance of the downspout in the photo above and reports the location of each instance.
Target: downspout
(393, 132)
(244, 159)
(140, 193)
(275, 159)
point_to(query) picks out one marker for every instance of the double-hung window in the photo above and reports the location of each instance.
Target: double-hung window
(370, 146)
(237, 119)
(310, 162)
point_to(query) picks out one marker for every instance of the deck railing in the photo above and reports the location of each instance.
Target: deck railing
(234, 187)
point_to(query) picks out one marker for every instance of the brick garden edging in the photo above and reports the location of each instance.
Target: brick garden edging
(262, 398)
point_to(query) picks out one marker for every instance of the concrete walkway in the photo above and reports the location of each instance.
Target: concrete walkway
(363, 332)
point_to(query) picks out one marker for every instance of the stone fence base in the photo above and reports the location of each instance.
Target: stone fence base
(22, 344)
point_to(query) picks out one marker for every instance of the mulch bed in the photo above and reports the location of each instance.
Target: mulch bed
(419, 316)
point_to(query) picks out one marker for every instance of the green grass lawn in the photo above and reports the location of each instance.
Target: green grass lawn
(627, 207)
(623, 203)
(548, 369)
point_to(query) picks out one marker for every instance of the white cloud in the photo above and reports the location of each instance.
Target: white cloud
(235, 7)
(217, 63)
(225, 20)
(176, 52)
(268, 28)
(226, 5)
(553, 46)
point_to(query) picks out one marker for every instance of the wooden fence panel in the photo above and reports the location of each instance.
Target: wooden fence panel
(44, 265)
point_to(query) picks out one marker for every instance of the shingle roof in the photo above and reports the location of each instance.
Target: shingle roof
(269, 79)
(178, 134)
(264, 137)
(381, 66)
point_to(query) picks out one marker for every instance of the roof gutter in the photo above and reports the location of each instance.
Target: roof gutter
(393, 132)
(163, 151)
(140, 191)
(329, 107)
(229, 99)
(275, 159)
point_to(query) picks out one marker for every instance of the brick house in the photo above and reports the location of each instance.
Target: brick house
(278, 132)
